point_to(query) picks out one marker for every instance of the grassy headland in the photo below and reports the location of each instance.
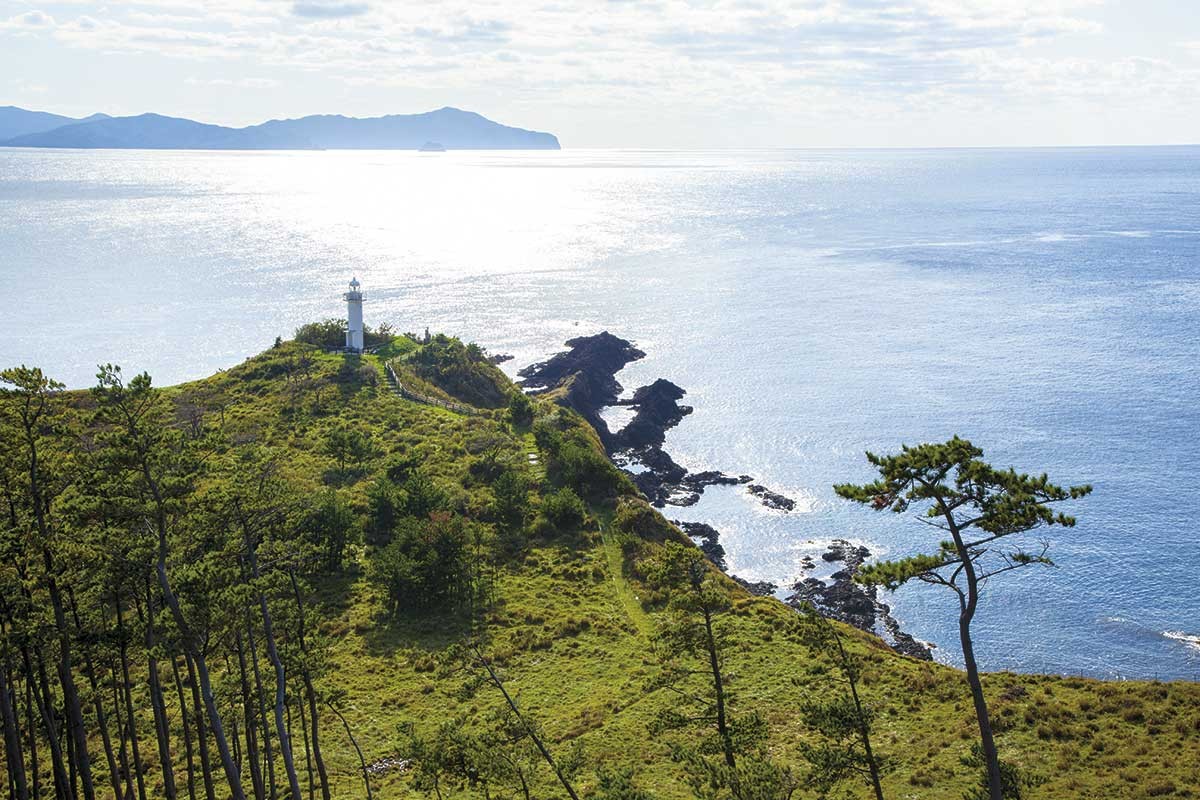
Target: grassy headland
(560, 603)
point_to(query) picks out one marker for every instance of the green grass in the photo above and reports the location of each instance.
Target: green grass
(573, 639)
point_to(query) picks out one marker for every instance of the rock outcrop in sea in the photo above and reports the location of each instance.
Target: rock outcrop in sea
(585, 378)
(842, 599)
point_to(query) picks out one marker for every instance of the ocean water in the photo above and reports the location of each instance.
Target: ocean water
(1043, 303)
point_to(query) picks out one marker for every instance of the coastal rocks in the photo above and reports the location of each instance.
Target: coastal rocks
(706, 538)
(583, 378)
(771, 499)
(842, 599)
(658, 410)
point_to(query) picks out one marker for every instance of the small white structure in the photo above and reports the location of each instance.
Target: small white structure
(354, 318)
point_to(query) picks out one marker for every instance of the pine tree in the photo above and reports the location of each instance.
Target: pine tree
(981, 508)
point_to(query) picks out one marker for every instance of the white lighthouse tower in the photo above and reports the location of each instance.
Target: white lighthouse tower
(354, 318)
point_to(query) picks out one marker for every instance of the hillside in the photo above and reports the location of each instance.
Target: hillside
(452, 128)
(561, 600)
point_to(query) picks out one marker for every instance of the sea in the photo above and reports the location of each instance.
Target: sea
(815, 304)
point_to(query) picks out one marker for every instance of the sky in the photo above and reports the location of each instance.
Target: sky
(625, 73)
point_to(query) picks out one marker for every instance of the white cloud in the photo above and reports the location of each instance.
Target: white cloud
(28, 21)
(780, 59)
(238, 83)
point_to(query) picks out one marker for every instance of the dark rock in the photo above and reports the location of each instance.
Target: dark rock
(844, 600)
(712, 477)
(499, 358)
(658, 410)
(760, 588)
(771, 499)
(585, 373)
(708, 543)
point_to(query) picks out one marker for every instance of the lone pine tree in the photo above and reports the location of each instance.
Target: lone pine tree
(981, 508)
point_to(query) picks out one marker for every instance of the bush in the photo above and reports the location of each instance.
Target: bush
(636, 518)
(327, 333)
(511, 504)
(420, 496)
(330, 526)
(427, 564)
(460, 370)
(520, 409)
(564, 509)
(383, 510)
(331, 333)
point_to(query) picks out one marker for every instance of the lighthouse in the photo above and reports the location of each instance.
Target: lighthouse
(354, 319)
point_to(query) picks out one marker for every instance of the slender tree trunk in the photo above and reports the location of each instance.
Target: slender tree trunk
(62, 781)
(268, 751)
(157, 703)
(187, 731)
(308, 766)
(35, 768)
(362, 762)
(281, 728)
(15, 758)
(201, 730)
(122, 751)
(130, 716)
(966, 614)
(97, 701)
(714, 664)
(537, 740)
(256, 778)
(313, 716)
(864, 730)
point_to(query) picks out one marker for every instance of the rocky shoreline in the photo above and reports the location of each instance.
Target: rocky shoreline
(844, 600)
(584, 379)
(585, 376)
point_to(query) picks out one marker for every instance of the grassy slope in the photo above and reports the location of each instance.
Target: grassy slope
(574, 640)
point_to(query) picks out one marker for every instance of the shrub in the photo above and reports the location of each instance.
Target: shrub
(636, 518)
(461, 370)
(329, 524)
(520, 409)
(564, 509)
(511, 504)
(427, 564)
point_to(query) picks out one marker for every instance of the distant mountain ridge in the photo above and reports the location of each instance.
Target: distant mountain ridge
(453, 128)
(16, 121)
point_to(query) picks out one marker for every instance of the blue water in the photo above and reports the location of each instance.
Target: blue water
(1043, 303)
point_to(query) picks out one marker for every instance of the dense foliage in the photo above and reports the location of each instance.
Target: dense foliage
(330, 334)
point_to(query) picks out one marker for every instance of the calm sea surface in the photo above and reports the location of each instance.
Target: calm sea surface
(1043, 303)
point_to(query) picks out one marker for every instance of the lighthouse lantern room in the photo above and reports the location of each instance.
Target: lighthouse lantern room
(354, 317)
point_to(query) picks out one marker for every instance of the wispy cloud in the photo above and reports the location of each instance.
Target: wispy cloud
(329, 10)
(30, 20)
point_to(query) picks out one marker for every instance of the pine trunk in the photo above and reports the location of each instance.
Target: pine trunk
(127, 693)
(252, 756)
(268, 752)
(313, 716)
(201, 731)
(187, 730)
(157, 703)
(12, 735)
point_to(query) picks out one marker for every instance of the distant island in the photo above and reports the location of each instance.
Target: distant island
(450, 128)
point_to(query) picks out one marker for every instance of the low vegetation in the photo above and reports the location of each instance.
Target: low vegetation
(286, 580)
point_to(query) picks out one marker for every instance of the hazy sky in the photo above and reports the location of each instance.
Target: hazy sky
(615, 73)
